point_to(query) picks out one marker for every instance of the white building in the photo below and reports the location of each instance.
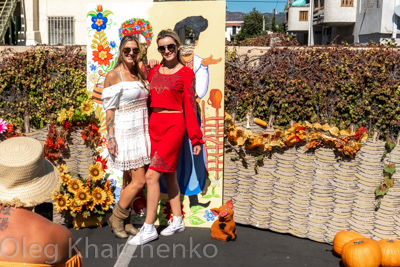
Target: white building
(231, 29)
(343, 20)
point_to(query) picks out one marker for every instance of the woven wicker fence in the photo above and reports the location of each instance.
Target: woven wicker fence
(314, 195)
(77, 155)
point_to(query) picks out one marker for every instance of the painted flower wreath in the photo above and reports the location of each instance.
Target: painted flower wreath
(137, 26)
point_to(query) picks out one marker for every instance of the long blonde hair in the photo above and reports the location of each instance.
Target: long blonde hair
(170, 33)
(140, 74)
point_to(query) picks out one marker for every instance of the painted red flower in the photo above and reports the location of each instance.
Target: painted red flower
(102, 55)
(102, 161)
(99, 8)
(168, 212)
(140, 203)
(66, 125)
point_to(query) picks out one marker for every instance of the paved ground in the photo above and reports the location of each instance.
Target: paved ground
(194, 247)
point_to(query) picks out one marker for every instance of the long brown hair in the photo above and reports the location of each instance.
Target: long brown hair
(170, 33)
(140, 74)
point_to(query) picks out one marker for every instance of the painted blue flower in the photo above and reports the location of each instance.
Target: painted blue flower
(99, 22)
(144, 25)
(92, 67)
(120, 31)
(131, 20)
(120, 38)
(112, 44)
(209, 216)
(146, 31)
(136, 27)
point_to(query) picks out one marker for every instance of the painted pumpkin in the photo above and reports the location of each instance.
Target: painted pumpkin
(342, 238)
(361, 252)
(390, 252)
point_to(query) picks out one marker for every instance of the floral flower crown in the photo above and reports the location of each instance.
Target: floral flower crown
(137, 26)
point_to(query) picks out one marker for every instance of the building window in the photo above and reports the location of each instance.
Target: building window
(233, 29)
(303, 16)
(347, 3)
(61, 30)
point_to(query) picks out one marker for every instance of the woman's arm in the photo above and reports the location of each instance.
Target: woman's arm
(109, 105)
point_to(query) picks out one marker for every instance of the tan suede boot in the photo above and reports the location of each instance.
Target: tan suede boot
(129, 228)
(116, 221)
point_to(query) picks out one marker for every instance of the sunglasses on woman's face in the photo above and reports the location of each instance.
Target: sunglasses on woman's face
(170, 47)
(127, 50)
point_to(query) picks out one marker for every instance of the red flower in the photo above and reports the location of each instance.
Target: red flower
(125, 32)
(102, 161)
(140, 203)
(66, 125)
(102, 55)
(99, 8)
(60, 142)
(357, 135)
(362, 130)
(84, 135)
(168, 211)
(49, 143)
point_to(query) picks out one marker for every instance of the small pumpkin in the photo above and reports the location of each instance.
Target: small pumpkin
(361, 252)
(342, 238)
(390, 252)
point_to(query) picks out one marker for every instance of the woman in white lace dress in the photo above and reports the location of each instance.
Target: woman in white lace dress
(124, 98)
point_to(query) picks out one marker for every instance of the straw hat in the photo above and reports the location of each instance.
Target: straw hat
(26, 177)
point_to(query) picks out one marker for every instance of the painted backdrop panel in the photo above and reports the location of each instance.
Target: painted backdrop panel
(201, 27)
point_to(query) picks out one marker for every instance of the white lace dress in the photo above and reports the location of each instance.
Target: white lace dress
(129, 98)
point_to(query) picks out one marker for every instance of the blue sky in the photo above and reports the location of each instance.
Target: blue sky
(261, 5)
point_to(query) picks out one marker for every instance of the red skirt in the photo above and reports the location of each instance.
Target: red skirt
(167, 131)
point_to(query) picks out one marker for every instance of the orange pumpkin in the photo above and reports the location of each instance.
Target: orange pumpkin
(342, 238)
(390, 252)
(361, 252)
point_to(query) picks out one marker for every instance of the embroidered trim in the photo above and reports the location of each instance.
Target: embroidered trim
(191, 94)
(137, 104)
(157, 162)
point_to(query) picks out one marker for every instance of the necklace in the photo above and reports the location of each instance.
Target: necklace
(171, 69)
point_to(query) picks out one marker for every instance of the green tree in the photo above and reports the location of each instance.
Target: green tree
(252, 25)
(273, 25)
(281, 27)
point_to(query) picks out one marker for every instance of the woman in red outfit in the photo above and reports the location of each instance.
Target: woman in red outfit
(173, 104)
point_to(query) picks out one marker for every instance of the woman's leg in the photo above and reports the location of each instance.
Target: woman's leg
(134, 181)
(173, 193)
(153, 195)
(132, 188)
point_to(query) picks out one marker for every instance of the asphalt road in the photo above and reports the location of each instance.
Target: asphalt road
(195, 247)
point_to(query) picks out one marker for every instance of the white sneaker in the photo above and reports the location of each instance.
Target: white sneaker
(177, 225)
(146, 234)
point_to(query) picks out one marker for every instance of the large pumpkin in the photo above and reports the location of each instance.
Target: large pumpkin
(390, 252)
(342, 238)
(363, 252)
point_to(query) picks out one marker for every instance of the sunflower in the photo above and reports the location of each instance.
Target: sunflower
(61, 203)
(75, 185)
(82, 196)
(96, 171)
(62, 168)
(65, 179)
(110, 198)
(87, 107)
(70, 113)
(75, 206)
(90, 205)
(62, 116)
(105, 206)
(99, 195)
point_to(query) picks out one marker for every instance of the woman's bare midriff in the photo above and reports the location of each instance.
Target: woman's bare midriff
(164, 110)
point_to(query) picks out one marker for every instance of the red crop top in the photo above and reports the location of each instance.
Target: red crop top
(176, 92)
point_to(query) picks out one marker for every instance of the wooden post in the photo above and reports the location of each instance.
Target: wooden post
(375, 136)
(398, 139)
(271, 122)
(26, 124)
(352, 128)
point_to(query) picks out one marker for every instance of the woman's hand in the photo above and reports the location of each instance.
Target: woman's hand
(153, 63)
(112, 147)
(196, 149)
